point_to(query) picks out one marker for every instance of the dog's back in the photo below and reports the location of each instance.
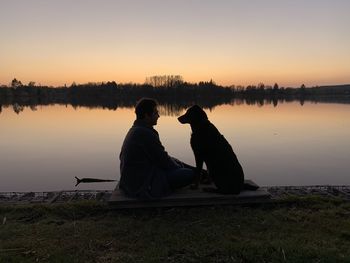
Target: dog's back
(211, 147)
(221, 161)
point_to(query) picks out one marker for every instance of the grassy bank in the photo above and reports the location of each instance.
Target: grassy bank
(298, 230)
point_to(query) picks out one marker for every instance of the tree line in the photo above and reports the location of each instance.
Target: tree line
(167, 89)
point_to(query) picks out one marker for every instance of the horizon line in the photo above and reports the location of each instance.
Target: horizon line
(39, 84)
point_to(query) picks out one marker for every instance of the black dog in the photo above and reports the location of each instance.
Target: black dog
(211, 147)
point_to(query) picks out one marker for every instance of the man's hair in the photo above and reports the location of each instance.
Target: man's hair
(143, 106)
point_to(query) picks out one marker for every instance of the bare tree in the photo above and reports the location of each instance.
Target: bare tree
(16, 83)
(164, 81)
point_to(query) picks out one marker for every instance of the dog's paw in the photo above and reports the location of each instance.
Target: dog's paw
(205, 178)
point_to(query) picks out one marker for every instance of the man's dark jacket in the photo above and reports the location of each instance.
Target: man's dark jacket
(144, 163)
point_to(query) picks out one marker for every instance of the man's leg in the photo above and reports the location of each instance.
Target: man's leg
(182, 164)
(180, 177)
(185, 165)
(205, 178)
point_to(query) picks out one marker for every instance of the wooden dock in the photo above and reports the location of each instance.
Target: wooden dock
(193, 197)
(189, 197)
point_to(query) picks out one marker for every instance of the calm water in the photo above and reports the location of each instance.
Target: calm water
(42, 150)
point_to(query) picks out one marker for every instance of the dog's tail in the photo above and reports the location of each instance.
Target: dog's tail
(248, 185)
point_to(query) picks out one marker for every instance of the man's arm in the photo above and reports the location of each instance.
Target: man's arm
(155, 151)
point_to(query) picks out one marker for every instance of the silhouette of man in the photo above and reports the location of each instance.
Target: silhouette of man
(146, 169)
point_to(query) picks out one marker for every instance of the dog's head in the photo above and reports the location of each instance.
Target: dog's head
(194, 114)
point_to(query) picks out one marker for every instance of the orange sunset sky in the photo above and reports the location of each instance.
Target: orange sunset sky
(237, 42)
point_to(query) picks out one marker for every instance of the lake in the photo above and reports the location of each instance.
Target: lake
(43, 148)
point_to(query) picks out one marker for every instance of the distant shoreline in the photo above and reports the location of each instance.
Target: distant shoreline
(178, 96)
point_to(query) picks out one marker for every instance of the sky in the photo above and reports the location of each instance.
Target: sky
(291, 42)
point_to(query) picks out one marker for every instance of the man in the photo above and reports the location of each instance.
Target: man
(146, 169)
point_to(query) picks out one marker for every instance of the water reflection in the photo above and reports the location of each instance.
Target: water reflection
(44, 147)
(174, 107)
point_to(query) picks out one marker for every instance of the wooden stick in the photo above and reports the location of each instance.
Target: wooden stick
(91, 180)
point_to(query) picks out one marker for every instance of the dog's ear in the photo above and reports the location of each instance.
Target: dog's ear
(199, 112)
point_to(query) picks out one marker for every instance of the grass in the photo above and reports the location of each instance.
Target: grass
(312, 229)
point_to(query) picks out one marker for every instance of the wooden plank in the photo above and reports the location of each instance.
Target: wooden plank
(188, 197)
